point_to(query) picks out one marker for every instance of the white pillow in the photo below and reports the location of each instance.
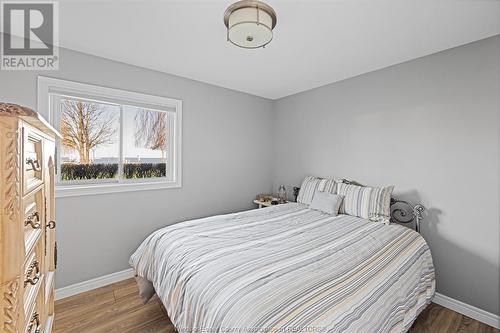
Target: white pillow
(326, 202)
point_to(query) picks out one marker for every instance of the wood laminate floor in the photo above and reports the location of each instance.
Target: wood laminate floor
(118, 308)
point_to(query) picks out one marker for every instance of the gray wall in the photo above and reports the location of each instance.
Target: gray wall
(430, 127)
(226, 162)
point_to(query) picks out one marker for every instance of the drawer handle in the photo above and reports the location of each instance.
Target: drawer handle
(34, 267)
(51, 225)
(35, 319)
(30, 220)
(35, 164)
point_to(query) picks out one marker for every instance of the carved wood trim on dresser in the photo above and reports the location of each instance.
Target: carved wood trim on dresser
(27, 238)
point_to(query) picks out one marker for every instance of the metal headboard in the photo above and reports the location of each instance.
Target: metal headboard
(404, 212)
(401, 211)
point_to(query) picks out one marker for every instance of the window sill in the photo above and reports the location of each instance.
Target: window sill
(95, 189)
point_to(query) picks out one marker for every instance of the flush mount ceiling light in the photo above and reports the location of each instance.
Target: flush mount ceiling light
(250, 23)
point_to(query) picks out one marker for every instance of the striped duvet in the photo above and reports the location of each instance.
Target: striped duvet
(288, 268)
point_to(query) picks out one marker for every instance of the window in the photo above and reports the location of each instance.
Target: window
(112, 140)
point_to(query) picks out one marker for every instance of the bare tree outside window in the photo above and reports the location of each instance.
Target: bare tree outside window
(89, 140)
(86, 126)
(151, 130)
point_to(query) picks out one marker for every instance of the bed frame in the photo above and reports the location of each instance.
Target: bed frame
(402, 212)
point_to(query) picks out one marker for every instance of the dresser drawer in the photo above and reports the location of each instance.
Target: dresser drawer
(34, 321)
(32, 160)
(33, 280)
(33, 209)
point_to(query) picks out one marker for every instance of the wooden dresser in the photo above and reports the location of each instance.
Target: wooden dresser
(28, 253)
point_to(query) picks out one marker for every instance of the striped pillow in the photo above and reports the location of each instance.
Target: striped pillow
(312, 184)
(373, 203)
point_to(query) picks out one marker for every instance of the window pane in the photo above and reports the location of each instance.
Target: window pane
(145, 143)
(90, 144)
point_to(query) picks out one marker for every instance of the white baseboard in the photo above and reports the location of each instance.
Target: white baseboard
(98, 282)
(448, 302)
(468, 310)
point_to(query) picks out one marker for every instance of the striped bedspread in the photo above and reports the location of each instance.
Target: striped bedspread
(288, 268)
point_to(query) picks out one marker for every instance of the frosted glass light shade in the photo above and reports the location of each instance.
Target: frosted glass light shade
(250, 24)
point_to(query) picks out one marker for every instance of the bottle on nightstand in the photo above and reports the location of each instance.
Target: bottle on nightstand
(282, 194)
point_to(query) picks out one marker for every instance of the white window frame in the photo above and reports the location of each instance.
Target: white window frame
(48, 87)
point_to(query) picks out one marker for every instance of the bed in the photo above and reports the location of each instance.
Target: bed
(289, 268)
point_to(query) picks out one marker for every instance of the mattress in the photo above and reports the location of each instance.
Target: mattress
(288, 268)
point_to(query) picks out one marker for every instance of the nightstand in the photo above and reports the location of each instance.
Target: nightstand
(263, 203)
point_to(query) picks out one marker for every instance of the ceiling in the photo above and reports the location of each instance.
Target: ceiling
(315, 42)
